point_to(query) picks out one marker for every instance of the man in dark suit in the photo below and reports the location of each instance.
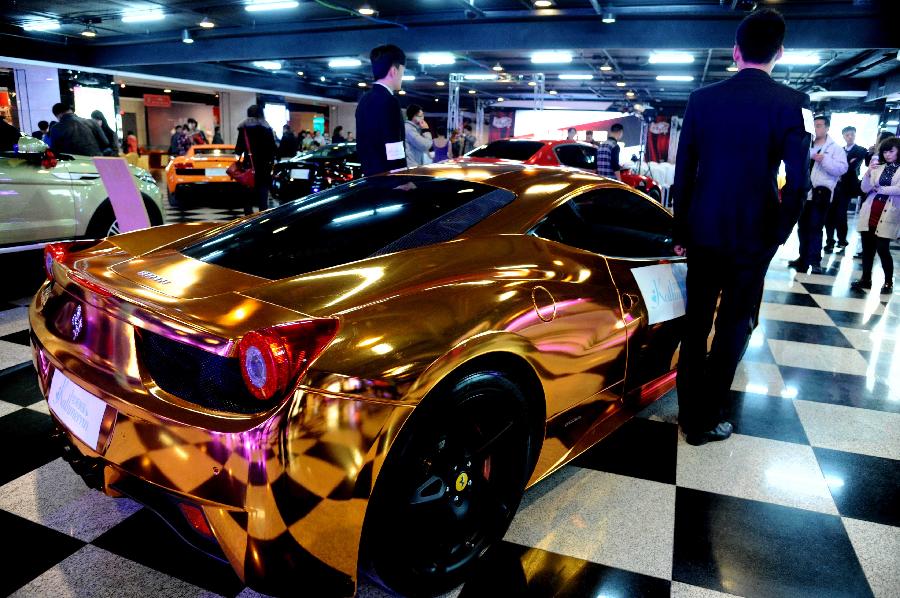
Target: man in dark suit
(847, 188)
(728, 218)
(380, 125)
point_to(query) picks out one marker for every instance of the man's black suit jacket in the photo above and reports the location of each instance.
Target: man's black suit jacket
(734, 136)
(379, 120)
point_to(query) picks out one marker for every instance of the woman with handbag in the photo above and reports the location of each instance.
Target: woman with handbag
(879, 216)
(257, 148)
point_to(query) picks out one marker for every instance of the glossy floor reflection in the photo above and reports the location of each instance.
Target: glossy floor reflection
(804, 500)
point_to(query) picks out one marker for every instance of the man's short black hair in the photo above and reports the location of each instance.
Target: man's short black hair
(760, 35)
(824, 118)
(571, 130)
(616, 128)
(845, 129)
(59, 108)
(886, 146)
(191, 120)
(468, 128)
(412, 110)
(383, 58)
(252, 112)
(43, 125)
(177, 127)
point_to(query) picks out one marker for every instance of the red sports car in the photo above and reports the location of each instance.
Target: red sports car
(558, 153)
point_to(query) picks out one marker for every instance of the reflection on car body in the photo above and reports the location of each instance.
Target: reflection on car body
(366, 379)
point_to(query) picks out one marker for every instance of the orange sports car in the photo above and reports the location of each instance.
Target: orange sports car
(202, 168)
(365, 380)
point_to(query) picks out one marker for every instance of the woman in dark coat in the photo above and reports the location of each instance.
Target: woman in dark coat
(104, 126)
(262, 146)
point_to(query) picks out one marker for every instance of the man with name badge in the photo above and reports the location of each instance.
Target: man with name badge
(380, 126)
(728, 217)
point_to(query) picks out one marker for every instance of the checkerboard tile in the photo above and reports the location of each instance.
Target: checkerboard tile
(801, 501)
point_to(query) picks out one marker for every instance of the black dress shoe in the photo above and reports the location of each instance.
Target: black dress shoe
(798, 265)
(828, 249)
(720, 432)
(887, 287)
(816, 269)
(863, 284)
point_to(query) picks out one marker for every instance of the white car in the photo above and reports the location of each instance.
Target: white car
(45, 198)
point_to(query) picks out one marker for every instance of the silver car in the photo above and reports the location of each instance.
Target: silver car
(43, 201)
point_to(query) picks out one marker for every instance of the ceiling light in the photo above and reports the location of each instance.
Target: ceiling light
(671, 58)
(499, 99)
(322, 78)
(440, 83)
(343, 63)
(143, 16)
(639, 107)
(264, 6)
(300, 73)
(89, 32)
(797, 58)
(472, 91)
(480, 77)
(551, 57)
(167, 91)
(817, 96)
(122, 85)
(605, 67)
(575, 77)
(620, 84)
(206, 23)
(436, 100)
(436, 58)
(497, 67)
(552, 92)
(531, 84)
(684, 78)
(361, 84)
(892, 123)
(543, 3)
(733, 68)
(609, 18)
(186, 37)
(402, 92)
(269, 65)
(366, 10)
(409, 77)
(629, 94)
(41, 25)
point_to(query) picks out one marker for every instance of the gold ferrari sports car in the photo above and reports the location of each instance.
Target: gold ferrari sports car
(366, 380)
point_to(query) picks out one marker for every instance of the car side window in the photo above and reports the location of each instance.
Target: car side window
(577, 156)
(614, 222)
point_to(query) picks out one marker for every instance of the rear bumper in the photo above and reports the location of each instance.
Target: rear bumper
(284, 499)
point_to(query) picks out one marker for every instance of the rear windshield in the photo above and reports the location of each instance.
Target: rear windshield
(209, 151)
(508, 150)
(371, 216)
(340, 150)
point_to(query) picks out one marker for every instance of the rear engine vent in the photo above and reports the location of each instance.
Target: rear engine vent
(197, 376)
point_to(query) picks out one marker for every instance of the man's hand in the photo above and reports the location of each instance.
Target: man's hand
(818, 157)
(680, 250)
(424, 124)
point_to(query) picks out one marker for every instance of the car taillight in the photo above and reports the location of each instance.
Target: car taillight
(56, 252)
(187, 165)
(273, 359)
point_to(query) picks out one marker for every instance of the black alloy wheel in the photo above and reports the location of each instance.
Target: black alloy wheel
(450, 486)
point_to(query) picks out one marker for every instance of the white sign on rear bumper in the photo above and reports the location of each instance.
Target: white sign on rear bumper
(663, 287)
(78, 410)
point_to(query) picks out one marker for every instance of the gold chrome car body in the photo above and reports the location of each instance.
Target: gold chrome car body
(287, 489)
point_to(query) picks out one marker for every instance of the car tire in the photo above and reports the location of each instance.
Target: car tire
(655, 195)
(450, 485)
(104, 224)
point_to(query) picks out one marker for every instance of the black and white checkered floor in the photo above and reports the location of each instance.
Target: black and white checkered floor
(804, 500)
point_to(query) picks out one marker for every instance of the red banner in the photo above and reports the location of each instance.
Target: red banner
(157, 101)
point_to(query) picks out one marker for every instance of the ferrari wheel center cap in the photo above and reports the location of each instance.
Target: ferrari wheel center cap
(462, 480)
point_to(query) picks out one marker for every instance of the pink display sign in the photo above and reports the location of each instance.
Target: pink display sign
(123, 193)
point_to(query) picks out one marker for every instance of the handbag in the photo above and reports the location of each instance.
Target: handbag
(246, 177)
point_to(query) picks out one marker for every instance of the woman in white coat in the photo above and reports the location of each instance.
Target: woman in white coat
(879, 216)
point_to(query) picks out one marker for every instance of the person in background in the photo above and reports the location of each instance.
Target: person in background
(570, 134)
(43, 127)
(879, 217)
(828, 164)
(217, 136)
(338, 135)
(608, 153)
(846, 189)
(350, 137)
(589, 138)
(873, 150)
(729, 221)
(98, 118)
(468, 139)
(379, 118)
(443, 149)
(319, 137)
(288, 146)
(173, 141)
(75, 135)
(305, 140)
(131, 143)
(418, 136)
(456, 145)
(198, 137)
(314, 146)
(256, 137)
(182, 141)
